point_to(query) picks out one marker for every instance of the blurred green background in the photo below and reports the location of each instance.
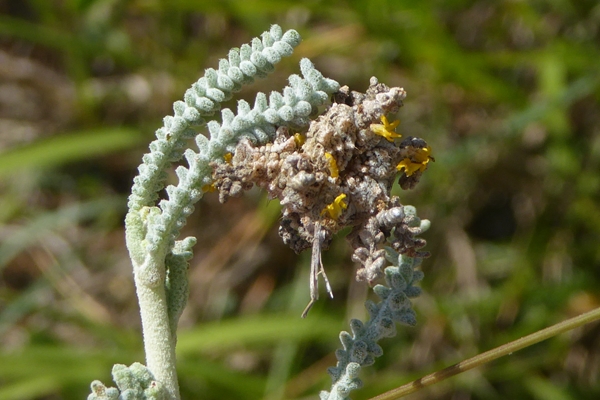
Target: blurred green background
(507, 94)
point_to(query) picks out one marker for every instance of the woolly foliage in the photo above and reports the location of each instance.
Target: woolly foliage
(134, 383)
(360, 347)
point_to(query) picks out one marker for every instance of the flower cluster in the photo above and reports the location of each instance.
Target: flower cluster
(340, 175)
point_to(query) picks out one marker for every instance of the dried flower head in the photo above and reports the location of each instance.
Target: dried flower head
(339, 174)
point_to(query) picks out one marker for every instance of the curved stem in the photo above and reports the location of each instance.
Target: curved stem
(491, 355)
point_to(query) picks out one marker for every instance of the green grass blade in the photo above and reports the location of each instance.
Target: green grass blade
(62, 149)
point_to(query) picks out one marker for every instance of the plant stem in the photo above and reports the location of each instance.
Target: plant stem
(491, 355)
(159, 344)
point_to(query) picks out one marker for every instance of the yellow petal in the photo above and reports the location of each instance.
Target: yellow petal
(408, 166)
(386, 129)
(335, 209)
(333, 169)
(299, 139)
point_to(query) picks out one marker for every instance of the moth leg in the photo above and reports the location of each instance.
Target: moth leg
(327, 285)
(316, 267)
(314, 283)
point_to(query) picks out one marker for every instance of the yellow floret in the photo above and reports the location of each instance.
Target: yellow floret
(209, 188)
(335, 209)
(333, 169)
(386, 129)
(228, 157)
(299, 139)
(418, 162)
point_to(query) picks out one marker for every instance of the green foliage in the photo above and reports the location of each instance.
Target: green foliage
(507, 94)
(69, 148)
